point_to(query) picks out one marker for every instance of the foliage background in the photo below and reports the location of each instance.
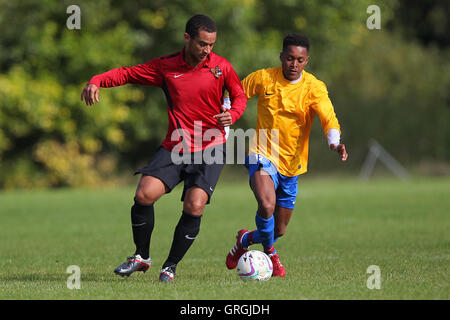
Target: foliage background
(390, 84)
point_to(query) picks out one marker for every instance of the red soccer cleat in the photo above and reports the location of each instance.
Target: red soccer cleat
(237, 251)
(278, 269)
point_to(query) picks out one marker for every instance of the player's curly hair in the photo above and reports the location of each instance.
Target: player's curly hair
(200, 22)
(294, 39)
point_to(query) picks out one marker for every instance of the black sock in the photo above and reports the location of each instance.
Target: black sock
(142, 222)
(187, 229)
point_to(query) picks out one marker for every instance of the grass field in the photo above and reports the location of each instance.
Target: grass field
(340, 227)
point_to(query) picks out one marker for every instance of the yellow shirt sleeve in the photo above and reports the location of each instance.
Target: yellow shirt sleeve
(321, 104)
(252, 84)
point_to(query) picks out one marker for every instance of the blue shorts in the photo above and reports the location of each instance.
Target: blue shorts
(286, 188)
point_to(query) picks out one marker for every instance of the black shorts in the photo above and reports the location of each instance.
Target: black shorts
(194, 170)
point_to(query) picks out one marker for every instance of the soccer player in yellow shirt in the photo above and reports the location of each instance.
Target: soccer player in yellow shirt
(288, 100)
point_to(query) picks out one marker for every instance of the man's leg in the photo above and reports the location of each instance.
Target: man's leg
(188, 226)
(149, 190)
(269, 226)
(286, 194)
(264, 190)
(186, 230)
(282, 218)
(286, 198)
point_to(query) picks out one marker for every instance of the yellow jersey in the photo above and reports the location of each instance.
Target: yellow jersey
(285, 114)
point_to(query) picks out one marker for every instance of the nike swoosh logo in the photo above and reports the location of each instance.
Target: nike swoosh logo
(269, 94)
(138, 224)
(177, 75)
(189, 237)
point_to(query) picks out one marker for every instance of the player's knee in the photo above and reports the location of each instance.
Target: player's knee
(144, 197)
(194, 205)
(266, 207)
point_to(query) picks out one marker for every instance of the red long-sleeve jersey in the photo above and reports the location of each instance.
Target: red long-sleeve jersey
(194, 95)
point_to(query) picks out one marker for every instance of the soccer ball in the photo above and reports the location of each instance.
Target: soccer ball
(254, 265)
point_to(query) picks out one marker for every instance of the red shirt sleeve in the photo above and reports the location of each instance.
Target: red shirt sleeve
(145, 74)
(236, 92)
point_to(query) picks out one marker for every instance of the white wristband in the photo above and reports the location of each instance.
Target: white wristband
(333, 137)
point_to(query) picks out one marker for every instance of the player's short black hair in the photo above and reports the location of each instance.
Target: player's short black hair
(200, 22)
(294, 39)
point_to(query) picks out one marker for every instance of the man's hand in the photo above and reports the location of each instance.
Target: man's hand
(90, 94)
(224, 118)
(341, 150)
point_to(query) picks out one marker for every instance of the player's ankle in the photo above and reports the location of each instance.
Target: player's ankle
(270, 250)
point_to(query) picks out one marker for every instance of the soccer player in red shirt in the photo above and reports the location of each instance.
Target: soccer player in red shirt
(194, 81)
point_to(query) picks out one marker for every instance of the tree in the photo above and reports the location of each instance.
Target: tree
(49, 138)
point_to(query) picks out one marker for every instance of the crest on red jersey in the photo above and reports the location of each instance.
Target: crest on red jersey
(216, 72)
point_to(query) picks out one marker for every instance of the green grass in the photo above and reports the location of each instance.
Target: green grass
(340, 227)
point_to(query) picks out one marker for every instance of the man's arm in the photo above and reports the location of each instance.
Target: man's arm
(145, 74)
(252, 84)
(237, 98)
(321, 104)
